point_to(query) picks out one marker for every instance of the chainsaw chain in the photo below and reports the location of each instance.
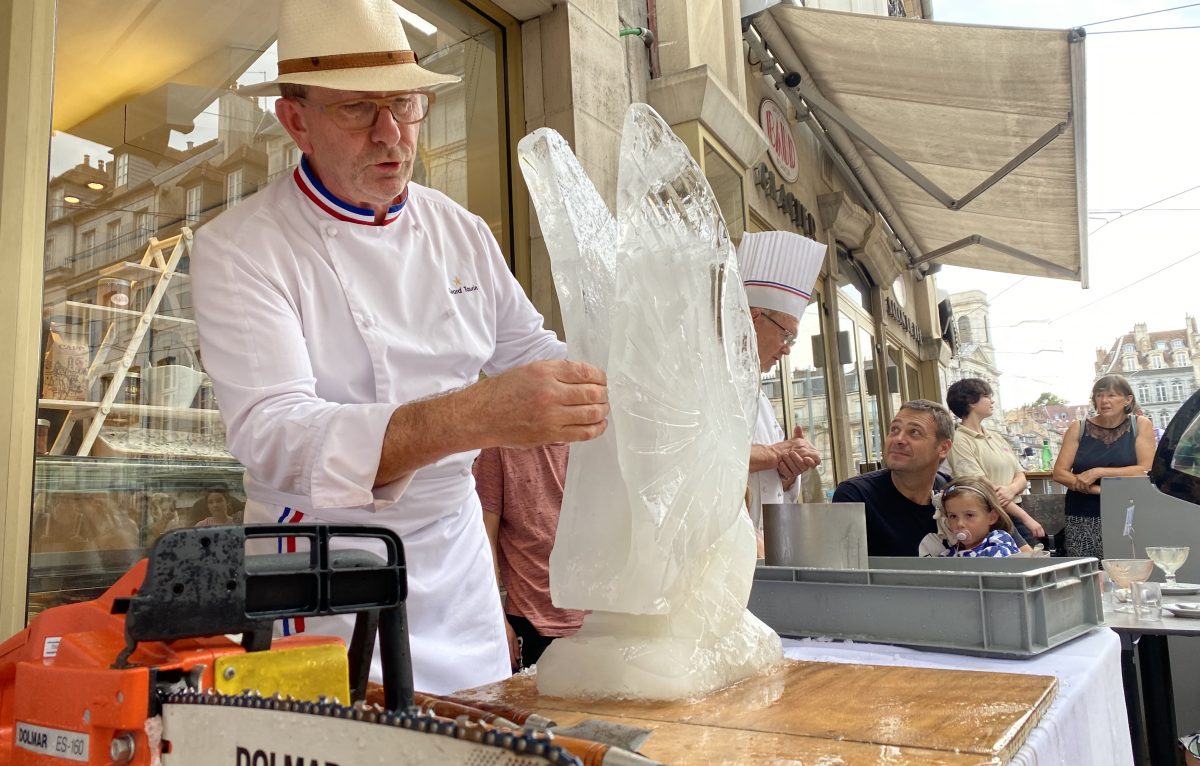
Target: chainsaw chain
(524, 742)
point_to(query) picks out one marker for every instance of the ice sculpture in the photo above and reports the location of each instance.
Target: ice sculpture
(653, 537)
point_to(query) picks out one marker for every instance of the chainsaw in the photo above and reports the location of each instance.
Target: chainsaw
(175, 665)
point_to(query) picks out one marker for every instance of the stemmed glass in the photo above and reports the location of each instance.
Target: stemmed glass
(1169, 560)
(1125, 572)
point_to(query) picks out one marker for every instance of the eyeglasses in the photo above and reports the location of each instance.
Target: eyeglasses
(361, 113)
(789, 337)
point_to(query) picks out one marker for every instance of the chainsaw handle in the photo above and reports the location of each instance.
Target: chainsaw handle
(200, 582)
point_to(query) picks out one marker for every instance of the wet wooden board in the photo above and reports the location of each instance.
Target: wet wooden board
(838, 709)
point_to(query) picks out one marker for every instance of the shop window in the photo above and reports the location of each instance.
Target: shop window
(857, 357)
(964, 329)
(854, 283)
(810, 399)
(163, 440)
(894, 363)
(193, 204)
(233, 187)
(122, 171)
(145, 227)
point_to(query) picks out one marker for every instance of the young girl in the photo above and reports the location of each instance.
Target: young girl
(977, 525)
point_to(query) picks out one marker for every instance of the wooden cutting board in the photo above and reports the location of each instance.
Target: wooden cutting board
(804, 712)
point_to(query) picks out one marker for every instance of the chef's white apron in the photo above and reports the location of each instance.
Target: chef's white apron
(766, 486)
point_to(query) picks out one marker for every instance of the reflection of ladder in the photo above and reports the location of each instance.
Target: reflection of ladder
(153, 262)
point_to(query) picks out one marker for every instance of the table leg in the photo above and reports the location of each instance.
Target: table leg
(1133, 698)
(1158, 696)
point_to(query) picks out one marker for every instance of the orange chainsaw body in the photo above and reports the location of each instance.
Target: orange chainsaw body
(63, 702)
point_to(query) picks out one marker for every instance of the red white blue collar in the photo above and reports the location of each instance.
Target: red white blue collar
(312, 187)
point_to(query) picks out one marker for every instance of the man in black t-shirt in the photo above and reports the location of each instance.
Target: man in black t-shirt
(899, 499)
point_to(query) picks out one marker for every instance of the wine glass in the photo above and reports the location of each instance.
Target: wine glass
(1125, 572)
(1169, 560)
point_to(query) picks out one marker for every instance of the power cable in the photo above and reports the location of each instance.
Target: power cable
(1126, 287)
(1136, 15)
(1143, 207)
(1147, 29)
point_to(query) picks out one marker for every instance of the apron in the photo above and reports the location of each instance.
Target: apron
(456, 632)
(766, 486)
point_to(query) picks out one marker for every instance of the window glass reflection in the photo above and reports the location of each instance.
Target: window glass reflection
(810, 400)
(153, 140)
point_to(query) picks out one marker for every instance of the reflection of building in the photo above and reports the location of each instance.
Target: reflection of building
(1162, 367)
(975, 356)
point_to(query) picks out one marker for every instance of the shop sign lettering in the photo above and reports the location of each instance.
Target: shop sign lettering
(780, 143)
(893, 310)
(797, 213)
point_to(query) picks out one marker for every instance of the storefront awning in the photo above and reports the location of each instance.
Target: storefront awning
(969, 140)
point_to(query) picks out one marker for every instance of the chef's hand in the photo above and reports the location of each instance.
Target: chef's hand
(514, 649)
(544, 403)
(797, 456)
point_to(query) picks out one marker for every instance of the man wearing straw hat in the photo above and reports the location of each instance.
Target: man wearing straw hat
(345, 314)
(778, 270)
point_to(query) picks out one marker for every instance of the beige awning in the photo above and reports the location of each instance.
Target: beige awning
(968, 139)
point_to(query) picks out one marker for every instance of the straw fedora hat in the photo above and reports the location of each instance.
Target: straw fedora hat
(345, 45)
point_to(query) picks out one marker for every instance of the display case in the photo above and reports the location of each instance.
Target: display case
(121, 372)
(93, 518)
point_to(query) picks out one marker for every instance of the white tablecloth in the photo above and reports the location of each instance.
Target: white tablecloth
(1086, 722)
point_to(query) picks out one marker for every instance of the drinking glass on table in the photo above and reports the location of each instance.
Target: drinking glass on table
(1168, 559)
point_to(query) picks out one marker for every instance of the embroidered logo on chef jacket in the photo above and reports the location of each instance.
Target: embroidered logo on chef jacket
(458, 288)
(343, 211)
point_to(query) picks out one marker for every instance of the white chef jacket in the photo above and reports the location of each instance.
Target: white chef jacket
(314, 324)
(766, 486)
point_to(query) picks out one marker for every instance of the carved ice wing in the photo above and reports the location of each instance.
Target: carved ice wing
(678, 392)
(581, 237)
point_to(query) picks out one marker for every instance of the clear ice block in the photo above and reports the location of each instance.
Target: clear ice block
(653, 536)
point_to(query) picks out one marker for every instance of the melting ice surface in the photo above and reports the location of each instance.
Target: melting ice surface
(652, 537)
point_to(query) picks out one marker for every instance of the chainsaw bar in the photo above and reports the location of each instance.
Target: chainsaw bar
(196, 726)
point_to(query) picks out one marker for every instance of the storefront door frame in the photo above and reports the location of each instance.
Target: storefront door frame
(26, 63)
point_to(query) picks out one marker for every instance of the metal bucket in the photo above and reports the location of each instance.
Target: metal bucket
(821, 535)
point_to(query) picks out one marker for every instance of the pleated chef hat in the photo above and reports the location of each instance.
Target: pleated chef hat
(779, 269)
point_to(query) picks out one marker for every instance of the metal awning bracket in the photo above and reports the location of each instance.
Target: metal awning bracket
(991, 244)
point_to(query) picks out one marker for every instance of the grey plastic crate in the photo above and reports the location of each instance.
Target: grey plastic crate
(995, 607)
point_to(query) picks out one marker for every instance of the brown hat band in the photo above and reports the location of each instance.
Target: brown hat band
(346, 61)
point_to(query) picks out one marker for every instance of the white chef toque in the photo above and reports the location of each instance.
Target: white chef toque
(779, 269)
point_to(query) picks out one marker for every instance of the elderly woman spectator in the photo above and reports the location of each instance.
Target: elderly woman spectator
(1112, 442)
(979, 452)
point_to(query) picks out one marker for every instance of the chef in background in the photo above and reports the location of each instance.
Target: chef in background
(778, 271)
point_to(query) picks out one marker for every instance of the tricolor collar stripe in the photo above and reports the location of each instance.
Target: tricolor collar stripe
(777, 286)
(343, 211)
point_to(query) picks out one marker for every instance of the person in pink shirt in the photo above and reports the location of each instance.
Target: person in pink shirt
(521, 492)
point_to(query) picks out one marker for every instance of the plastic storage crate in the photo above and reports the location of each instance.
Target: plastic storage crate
(995, 607)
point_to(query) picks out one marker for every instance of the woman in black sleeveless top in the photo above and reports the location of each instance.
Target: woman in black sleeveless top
(1113, 442)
